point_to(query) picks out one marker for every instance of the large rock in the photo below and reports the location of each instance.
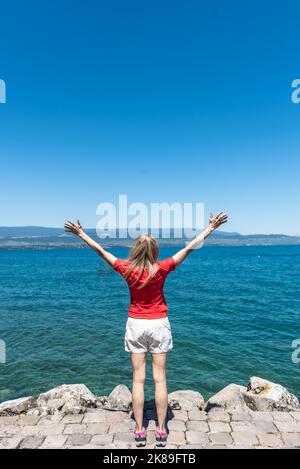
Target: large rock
(263, 395)
(230, 398)
(186, 400)
(67, 398)
(17, 406)
(119, 399)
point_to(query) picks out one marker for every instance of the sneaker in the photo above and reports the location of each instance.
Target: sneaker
(140, 437)
(161, 437)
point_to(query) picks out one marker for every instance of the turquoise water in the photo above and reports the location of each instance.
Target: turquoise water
(234, 313)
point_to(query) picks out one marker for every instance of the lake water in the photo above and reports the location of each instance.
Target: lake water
(234, 313)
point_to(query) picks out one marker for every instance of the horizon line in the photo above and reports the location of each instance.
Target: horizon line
(170, 228)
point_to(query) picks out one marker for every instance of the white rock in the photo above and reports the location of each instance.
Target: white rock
(102, 401)
(230, 398)
(38, 411)
(17, 406)
(187, 400)
(120, 398)
(69, 398)
(263, 395)
(50, 407)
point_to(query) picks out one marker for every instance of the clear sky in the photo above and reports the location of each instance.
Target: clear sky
(164, 101)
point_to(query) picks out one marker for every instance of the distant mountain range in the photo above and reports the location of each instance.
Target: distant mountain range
(40, 237)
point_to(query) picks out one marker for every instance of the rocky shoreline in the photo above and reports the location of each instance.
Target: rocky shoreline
(262, 414)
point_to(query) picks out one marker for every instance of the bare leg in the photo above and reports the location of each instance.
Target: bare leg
(138, 361)
(161, 392)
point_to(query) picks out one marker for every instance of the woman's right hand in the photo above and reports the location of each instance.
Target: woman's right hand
(75, 228)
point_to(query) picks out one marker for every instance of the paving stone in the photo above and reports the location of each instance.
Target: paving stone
(243, 447)
(196, 414)
(88, 446)
(219, 427)
(10, 443)
(265, 416)
(31, 442)
(191, 446)
(265, 427)
(244, 426)
(197, 425)
(295, 415)
(291, 439)
(180, 415)
(123, 438)
(72, 418)
(269, 440)
(151, 439)
(96, 416)
(176, 438)
(176, 425)
(9, 419)
(288, 427)
(244, 438)
(220, 438)
(282, 417)
(102, 440)
(29, 430)
(198, 438)
(218, 416)
(78, 439)
(29, 420)
(121, 445)
(71, 428)
(9, 430)
(112, 417)
(97, 428)
(54, 441)
(51, 419)
(241, 416)
(217, 446)
(122, 427)
(46, 430)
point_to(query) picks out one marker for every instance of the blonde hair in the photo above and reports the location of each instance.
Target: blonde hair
(143, 256)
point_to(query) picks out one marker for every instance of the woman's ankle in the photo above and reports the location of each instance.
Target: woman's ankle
(161, 428)
(138, 428)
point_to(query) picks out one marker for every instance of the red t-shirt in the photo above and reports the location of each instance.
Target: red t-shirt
(147, 302)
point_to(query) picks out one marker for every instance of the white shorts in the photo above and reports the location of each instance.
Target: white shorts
(148, 335)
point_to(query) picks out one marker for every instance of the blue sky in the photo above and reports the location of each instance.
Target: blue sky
(164, 101)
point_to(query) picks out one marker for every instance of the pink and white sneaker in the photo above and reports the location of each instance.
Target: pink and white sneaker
(140, 437)
(161, 437)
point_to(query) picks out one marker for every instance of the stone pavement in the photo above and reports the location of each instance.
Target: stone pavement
(99, 428)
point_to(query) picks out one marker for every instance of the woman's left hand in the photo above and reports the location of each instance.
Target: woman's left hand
(218, 220)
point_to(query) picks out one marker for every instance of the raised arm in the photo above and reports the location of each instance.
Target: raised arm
(214, 223)
(76, 229)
